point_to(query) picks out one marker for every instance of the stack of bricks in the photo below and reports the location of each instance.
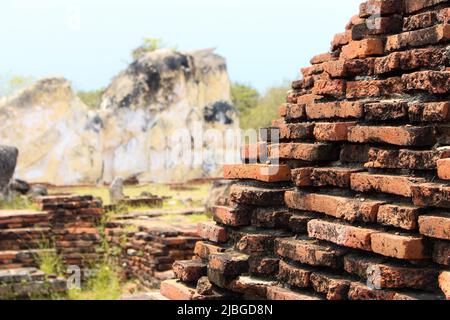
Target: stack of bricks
(147, 249)
(353, 202)
(74, 222)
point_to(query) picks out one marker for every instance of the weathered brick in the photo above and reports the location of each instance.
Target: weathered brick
(302, 176)
(435, 226)
(212, 232)
(350, 68)
(405, 159)
(374, 88)
(360, 291)
(360, 263)
(262, 197)
(250, 241)
(204, 249)
(294, 276)
(425, 19)
(382, 111)
(330, 110)
(311, 70)
(400, 216)
(295, 112)
(392, 184)
(296, 131)
(277, 293)
(401, 136)
(429, 112)
(441, 252)
(444, 283)
(410, 60)
(334, 88)
(333, 286)
(362, 49)
(189, 270)
(320, 58)
(310, 152)
(434, 82)
(270, 218)
(399, 246)
(175, 290)
(310, 252)
(418, 38)
(380, 7)
(443, 167)
(332, 131)
(431, 194)
(341, 39)
(229, 264)
(335, 176)
(377, 25)
(412, 6)
(341, 234)
(354, 153)
(234, 217)
(351, 209)
(260, 265)
(251, 288)
(260, 172)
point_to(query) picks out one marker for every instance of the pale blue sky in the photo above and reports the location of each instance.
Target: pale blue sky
(89, 41)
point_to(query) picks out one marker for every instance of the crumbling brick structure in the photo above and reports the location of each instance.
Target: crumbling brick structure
(359, 205)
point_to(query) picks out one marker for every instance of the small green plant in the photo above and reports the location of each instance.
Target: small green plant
(149, 45)
(47, 258)
(92, 98)
(18, 202)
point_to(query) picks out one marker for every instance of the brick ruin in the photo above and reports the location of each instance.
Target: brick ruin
(359, 205)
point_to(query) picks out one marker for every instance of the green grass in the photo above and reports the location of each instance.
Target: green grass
(18, 203)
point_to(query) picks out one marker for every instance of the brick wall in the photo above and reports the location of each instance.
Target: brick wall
(359, 206)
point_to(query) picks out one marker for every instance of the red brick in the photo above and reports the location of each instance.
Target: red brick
(434, 82)
(310, 252)
(360, 291)
(441, 252)
(333, 286)
(204, 249)
(334, 88)
(360, 263)
(330, 110)
(302, 176)
(412, 6)
(270, 218)
(212, 232)
(431, 194)
(262, 266)
(399, 246)
(295, 112)
(229, 264)
(380, 7)
(400, 216)
(189, 270)
(234, 217)
(308, 71)
(310, 152)
(294, 276)
(262, 197)
(341, 39)
(296, 131)
(256, 151)
(332, 131)
(435, 226)
(320, 58)
(374, 88)
(362, 49)
(443, 167)
(376, 25)
(418, 38)
(260, 172)
(429, 112)
(335, 176)
(426, 19)
(400, 136)
(405, 159)
(277, 293)
(382, 111)
(392, 184)
(175, 290)
(251, 288)
(250, 242)
(298, 223)
(410, 60)
(444, 283)
(351, 209)
(341, 234)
